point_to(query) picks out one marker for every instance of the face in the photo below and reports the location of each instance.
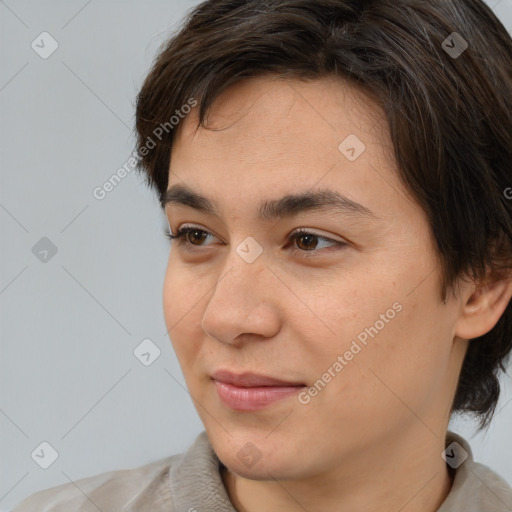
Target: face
(334, 294)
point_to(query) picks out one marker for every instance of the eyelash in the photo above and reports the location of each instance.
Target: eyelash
(179, 237)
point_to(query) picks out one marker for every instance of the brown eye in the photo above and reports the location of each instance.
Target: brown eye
(195, 235)
(306, 242)
(190, 236)
(302, 241)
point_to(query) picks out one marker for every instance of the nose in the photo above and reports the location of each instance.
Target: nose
(243, 304)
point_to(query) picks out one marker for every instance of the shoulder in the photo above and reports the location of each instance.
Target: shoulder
(166, 485)
(491, 490)
(143, 488)
(476, 487)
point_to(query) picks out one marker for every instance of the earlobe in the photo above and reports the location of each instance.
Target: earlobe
(483, 308)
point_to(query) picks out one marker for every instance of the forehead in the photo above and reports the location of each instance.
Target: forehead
(267, 136)
(283, 110)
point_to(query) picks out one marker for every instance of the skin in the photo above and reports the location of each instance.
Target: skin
(372, 438)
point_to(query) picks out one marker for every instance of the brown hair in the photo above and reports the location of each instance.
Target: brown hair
(449, 116)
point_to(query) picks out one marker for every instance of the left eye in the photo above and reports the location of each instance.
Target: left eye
(310, 241)
(304, 240)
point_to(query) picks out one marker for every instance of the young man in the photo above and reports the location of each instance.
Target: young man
(336, 176)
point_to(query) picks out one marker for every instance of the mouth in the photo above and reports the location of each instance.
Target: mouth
(250, 391)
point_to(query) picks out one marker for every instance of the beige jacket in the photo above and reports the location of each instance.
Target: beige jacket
(191, 482)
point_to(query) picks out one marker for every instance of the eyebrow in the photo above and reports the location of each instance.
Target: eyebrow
(287, 206)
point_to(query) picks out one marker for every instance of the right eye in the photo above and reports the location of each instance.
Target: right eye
(188, 235)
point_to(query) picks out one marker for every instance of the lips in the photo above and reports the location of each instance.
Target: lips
(251, 392)
(251, 380)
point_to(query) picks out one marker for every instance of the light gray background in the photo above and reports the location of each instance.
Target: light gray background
(69, 325)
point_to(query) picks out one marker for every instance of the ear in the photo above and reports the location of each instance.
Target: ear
(482, 306)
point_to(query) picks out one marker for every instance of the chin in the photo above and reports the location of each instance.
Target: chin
(261, 471)
(267, 461)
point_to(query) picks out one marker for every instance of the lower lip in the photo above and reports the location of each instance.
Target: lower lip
(253, 399)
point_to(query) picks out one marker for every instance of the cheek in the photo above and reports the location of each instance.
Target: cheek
(400, 366)
(391, 342)
(182, 311)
